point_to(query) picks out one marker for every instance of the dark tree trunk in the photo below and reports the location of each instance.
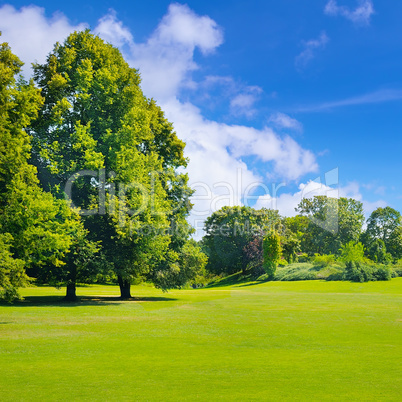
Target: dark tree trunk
(125, 286)
(70, 294)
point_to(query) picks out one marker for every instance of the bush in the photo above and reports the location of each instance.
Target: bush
(357, 272)
(323, 260)
(382, 273)
(304, 257)
(396, 271)
(296, 272)
(339, 275)
(352, 252)
(331, 273)
(272, 253)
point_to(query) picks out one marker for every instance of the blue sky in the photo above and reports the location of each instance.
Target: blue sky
(267, 94)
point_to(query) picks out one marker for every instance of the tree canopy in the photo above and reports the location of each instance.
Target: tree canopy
(98, 138)
(35, 228)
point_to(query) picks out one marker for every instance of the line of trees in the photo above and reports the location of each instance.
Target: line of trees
(92, 184)
(91, 175)
(254, 241)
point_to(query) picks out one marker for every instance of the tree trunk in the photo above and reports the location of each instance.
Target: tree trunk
(125, 286)
(70, 294)
(71, 279)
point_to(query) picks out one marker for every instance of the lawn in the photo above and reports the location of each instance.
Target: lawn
(309, 340)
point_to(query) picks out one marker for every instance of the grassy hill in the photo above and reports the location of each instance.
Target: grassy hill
(310, 340)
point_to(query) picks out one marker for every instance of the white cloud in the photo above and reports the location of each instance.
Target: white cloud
(380, 96)
(309, 50)
(113, 31)
(166, 60)
(243, 103)
(31, 34)
(282, 120)
(360, 15)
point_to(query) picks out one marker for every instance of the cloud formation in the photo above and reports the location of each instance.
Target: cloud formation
(310, 47)
(166, 59)
(243, 103)
(361, 15)
(380, 96)
(283, 121)
(31, 34)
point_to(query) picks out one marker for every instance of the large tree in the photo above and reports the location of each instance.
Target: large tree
(332, 222)
(229, 231)
(103, 142)
(35, 229)
(384, 224)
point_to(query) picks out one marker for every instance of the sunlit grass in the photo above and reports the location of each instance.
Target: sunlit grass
(309, 340)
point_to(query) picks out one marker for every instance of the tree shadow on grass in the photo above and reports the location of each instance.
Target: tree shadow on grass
(236, 280)
(253, 283)
(58, 301)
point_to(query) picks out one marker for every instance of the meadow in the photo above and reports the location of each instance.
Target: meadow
(310, 340)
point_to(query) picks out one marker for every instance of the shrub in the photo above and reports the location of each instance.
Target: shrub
(296, 272)
(323, 260)
(272, 253)
(357, 272)
(352, 252)
(382, 273)
(303, 257)
(396, 271)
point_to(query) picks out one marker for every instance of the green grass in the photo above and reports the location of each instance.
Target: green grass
(310, 340)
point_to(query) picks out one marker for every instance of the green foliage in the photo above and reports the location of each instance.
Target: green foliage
(303, 257)
(272, 253)
(37, 230)
(383, 273)
(229, 231)
(186, 267)
(377, 252)
(291, 245)
(332, 223)
(299, 226)
(358, 272)
(352, 252)
(323, 260)
(12, 273)
(95, 118)
(384, 224)
(296, 272)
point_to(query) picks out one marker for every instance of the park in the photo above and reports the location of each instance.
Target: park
(156, 244)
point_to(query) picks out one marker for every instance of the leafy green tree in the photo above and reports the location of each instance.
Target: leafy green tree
(290, 244)
(333, 222)
(229, 231)
(272, 253)
(187, 266)
(352, 252)
(378, 252)
(36, 229)
(385, 224)
(118, 155)
(299, 226)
